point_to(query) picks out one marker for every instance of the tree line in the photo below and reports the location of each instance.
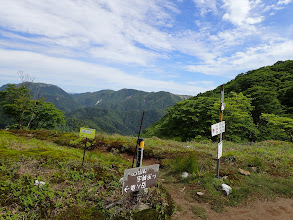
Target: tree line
(25, 112)
(259, 107)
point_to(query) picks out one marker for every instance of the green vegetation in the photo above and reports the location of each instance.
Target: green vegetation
(92, 191)
(259, 107)
(281, 125)
(267, 90)
(108, 111)
(200, 211)
(27, 113)
(86, 191)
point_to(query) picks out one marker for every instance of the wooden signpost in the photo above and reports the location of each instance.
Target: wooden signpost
(87, 133)
(140, 178)
(219, 129)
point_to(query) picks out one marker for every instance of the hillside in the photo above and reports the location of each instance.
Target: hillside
(127, 100)
(54, 94)
(120, 112)
(93, 190)
(109, 111)
(259, 107)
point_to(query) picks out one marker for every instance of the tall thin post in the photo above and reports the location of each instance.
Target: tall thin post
(138, 137)
(221, 134)
(84, 151)
(139, 155)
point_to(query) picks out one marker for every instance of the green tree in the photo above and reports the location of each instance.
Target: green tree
(16, 103)
(238, 118)
(186, 120)
(193, 118)
(45, 115)
(29, 113)
(279, 124)
(265, 100)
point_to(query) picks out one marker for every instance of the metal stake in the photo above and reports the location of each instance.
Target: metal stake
(220, 135)
(138, 137)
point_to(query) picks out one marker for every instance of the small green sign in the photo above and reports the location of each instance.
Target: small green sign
(87, 132)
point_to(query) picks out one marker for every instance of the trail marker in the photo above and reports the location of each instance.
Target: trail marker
(140, 178)
(218, 128)
(87, 133)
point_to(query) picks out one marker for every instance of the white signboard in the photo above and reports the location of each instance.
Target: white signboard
(220, 149)
(218, 128)
(223, 106)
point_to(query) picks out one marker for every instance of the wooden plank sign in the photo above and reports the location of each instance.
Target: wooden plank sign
(87, 132)
(139, 178)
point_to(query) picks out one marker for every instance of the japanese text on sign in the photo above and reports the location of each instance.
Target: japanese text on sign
(139, 178)
(87, 132)
(218, 128)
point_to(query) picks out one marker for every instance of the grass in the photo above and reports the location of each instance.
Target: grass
(41, 153)
(71, 190)
(200, 211)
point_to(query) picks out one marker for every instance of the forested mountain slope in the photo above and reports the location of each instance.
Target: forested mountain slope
(54, 94)
(107, 110)
(127, 99)
(259, 107)
(121, 111)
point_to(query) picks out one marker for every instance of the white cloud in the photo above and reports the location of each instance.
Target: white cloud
(77, 25)
(284, 2)
(252, 58)
(65, 72)
(210, 83)
(206, 6)
(139, 34)
(239, 12)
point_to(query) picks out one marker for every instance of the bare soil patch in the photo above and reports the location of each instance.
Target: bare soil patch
(277, 209)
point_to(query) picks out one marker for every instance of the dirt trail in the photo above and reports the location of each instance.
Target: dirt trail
(279, 209)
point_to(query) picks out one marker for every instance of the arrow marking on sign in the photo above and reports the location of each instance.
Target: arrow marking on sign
(126, 189)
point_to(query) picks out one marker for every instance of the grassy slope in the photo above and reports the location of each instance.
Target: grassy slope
(72, 187)
(71, 191)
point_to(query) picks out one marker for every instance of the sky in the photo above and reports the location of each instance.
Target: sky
(181, 46)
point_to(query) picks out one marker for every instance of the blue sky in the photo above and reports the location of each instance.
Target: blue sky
(180, 46)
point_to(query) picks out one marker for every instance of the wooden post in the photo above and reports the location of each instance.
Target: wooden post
(84, 151)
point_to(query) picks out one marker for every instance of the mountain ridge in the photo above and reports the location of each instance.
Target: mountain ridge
(106, 110)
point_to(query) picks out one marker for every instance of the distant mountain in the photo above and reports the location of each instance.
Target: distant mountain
(128, 100)
(54, 94)
(121, 111)
(107, 110)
